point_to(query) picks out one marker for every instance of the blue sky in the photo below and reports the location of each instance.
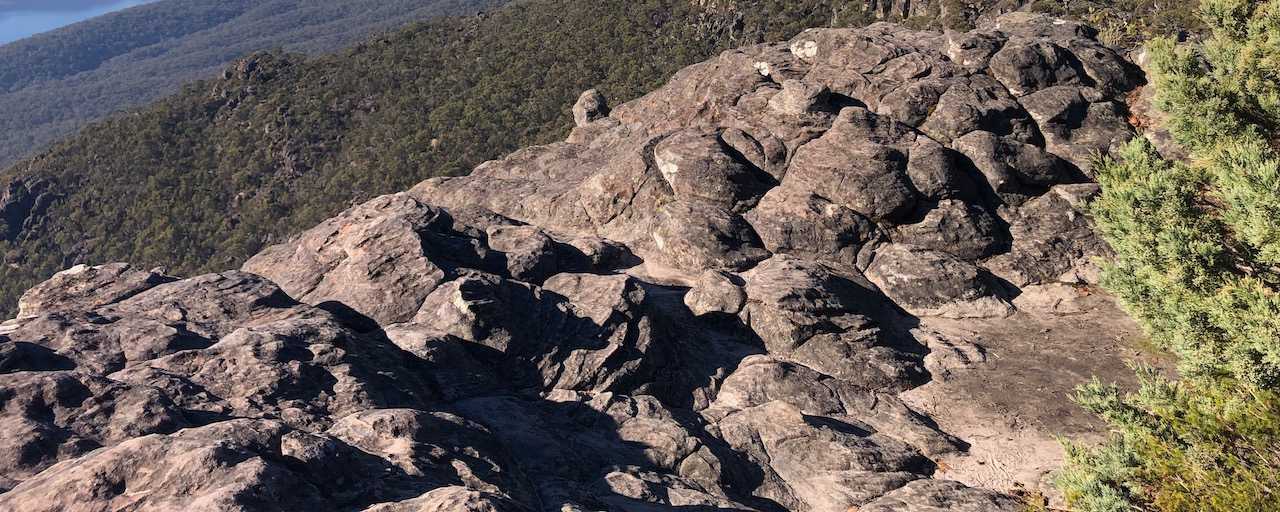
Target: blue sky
(22, 18)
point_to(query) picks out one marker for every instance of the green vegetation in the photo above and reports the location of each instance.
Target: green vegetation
(204, 179)
(53, 84)
(1197, 254)
(1127, 23)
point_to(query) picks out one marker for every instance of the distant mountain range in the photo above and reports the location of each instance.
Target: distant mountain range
(53, 83)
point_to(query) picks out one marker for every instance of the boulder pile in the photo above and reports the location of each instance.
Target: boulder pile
(703, 299)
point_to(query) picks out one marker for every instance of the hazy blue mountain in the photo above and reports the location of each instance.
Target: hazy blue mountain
(53, 83)
(21, 19)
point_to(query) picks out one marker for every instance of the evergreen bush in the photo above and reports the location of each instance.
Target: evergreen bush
(1197, 245)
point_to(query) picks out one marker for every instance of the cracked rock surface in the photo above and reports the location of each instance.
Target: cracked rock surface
(709, 298)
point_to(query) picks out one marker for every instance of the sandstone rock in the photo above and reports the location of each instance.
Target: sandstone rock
(816, 464)
(932, 283)
(699, 166)
(966, 231)
(1052, 298)
(861, 163)
(531, 255)
(760, 380)
(54, 416)
(232, 465)
(761, 148)
(667, 310)
(798, 98)
(1027, 66)
(973, 49)
(1108, 71)
(937, 174)
(1052, 237)
(546, 341)
(804, 224)
(432, 449)
(974, 103)
(1077, 123)
(372, 258)
(599, 297)
(294, 370)
(697, 236)
(591, 106)
(943, 496)
(161, 320)
(716, 292)
(807, 312)
(563, 440)
(452, 499)
(1015, 171)
(85, 287)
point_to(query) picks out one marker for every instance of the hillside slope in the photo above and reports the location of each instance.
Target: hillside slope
(206, 178)
(723, 296)
(54, 83)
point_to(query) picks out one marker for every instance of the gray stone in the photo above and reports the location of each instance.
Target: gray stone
(700, 167)
(591, 106)
(716, 292)
(696, 236)
(966, 231)
(802, 223)
(1026, 66)
(1078, 123)
(857, 165)
(933, 283)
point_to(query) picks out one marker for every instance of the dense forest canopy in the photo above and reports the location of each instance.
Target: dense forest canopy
(54, 83)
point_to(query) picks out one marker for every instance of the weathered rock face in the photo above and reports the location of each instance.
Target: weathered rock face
(23, 202)
(705, 298)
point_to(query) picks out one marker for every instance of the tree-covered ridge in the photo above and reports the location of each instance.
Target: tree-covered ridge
(204, 179)
(53, 84)
(86, 45)
(1198, 264)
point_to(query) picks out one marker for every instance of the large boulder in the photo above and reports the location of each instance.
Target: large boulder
(861, 163)
(964, 230)
(793, 221)
(932, 283)
(700, 166)
(372, 258)
(696, 236)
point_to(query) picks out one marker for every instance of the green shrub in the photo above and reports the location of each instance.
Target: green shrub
(1191, 445)
(1197, 244)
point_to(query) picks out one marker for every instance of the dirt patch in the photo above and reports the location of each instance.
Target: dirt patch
(1004, 386)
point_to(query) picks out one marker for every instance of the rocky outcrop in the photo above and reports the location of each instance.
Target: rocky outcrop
(706, 298)
(22, 203)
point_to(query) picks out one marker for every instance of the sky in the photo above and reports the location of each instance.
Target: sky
(22, 18)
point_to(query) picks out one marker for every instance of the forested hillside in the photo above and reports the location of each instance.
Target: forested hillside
(206, 178)
(53, 83)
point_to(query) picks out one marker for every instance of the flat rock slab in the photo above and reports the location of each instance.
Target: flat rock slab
(1004, 386)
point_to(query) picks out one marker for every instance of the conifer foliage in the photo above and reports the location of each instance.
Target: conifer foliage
(1198, 264)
